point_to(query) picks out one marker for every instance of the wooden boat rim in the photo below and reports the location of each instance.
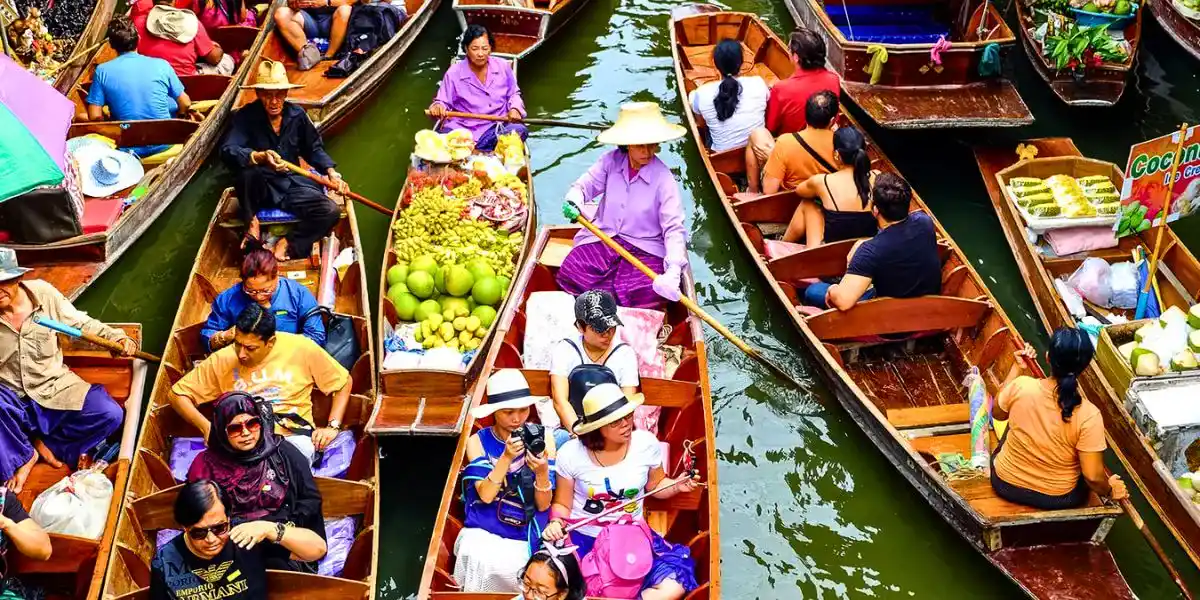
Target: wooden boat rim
(959, 46)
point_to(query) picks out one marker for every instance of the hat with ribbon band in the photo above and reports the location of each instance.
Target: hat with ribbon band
(506, 389)
(605, 404)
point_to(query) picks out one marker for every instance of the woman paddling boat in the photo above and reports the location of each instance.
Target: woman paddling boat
(480, 84)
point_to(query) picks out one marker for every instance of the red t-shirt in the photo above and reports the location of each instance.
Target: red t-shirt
(182, 57)
(785, 107)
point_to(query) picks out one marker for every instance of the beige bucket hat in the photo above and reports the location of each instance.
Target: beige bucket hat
(604, 404)
(170, 23)
(640, 123)
(271, 75)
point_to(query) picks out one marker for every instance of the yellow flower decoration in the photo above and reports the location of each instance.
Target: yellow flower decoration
(1026, 152)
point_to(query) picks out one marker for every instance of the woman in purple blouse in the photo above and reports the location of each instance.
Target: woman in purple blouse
(480, 84)
(639, 207)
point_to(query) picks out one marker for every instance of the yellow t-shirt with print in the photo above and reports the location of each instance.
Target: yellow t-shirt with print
(286, 378)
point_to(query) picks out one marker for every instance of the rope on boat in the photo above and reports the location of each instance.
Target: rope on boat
(879, 55)
(989, 61)
(849, 25)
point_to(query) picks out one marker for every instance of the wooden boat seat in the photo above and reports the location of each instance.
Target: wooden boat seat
(926, 416)
(234, 38)
(883, 316)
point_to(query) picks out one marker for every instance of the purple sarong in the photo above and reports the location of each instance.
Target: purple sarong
(595, 266)
(67, 433)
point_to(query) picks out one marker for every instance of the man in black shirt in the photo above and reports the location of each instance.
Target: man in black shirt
(901, 261)
(18, 531)
(265, 133)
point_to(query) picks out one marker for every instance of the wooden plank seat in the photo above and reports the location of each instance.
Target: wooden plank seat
(234, 38)
(884, 316)
(927, 416)
(205, 86)
(138, 133)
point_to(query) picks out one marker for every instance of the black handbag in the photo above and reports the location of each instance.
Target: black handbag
(341, 341)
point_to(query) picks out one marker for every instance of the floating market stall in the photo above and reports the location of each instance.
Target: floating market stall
(1181, 20)
(54, 39)
(1084, 49)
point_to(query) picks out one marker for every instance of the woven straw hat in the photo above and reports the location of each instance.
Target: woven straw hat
(272, 75)
(506, 389)
(640, 123)
(604, 404)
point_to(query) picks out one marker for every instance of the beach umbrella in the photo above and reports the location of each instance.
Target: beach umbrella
(34, 121)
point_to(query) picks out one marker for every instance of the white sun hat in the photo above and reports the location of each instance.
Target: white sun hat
(640, 123)
(506, 389)
(604, 404)
(106, 171)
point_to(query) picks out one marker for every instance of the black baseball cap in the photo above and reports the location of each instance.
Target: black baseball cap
(597, 309)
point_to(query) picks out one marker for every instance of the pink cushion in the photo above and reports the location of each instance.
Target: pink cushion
(99, 215)
(778, 249)
(1080, 239)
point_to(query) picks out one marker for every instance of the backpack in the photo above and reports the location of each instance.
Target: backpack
(371, 26)
(620, 559)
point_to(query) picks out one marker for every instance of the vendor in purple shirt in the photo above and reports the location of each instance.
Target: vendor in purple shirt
(639, 207)
(480, 84)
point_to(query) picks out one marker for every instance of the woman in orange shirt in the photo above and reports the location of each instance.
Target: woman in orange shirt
(1053, 450)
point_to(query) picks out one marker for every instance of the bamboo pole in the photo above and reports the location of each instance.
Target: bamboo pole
(1143, 296)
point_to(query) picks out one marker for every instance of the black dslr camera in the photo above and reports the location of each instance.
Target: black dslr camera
(534, 437)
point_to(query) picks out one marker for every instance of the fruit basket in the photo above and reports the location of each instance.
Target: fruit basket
(1087, 18)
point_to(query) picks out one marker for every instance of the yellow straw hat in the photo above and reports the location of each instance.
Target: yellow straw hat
(272, 75)
(640, 123)
(604, 404)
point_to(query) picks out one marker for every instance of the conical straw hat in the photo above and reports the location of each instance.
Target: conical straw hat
(272, 75)
(640, 123)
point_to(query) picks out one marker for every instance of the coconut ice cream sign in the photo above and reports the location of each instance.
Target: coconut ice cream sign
(1148, 178)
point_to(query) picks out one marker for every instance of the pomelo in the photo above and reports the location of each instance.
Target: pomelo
(426, 308)
(487, 291)
(420, 283)
(406, 305)
(439, 281)
(425, 263)
(480, 269)
(397, 274)
(459, 280)
(485, 314)
(505, 283)
(394, 291)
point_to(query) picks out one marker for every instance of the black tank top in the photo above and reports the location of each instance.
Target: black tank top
(847, 225)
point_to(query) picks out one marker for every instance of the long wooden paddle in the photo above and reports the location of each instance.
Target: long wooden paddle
(526, 120)
(1132, 512)
(686, 301)
(87, 337)
(74, 57)
(325, 181)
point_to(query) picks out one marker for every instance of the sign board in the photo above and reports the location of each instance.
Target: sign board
(1146, 182)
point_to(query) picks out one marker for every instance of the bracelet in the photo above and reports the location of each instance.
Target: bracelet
(539, 488)
(489, 478)
(280, 528)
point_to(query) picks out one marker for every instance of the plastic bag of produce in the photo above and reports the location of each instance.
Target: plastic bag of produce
(76, 505)
(1093, 281)
(1071, 298)
(1123, 278)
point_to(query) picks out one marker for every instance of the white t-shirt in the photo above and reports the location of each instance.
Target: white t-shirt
(750, 114)
(596, 487)
(622, 361)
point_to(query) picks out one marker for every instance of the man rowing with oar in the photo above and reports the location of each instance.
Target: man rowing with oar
(46, 410)
(264, 134)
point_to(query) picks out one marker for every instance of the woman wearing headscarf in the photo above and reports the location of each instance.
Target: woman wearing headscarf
(265, 478)
(640, 209)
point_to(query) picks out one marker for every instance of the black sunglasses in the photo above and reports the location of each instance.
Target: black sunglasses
(252, 424)
(200, 534)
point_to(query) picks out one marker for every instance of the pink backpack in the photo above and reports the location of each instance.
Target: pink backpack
(620, 559)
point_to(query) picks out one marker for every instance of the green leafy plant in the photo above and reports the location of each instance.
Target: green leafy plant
(1075, 48)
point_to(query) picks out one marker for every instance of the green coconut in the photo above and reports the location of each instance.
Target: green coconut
(1148, 331)
(1183, 360)
(1126, 351)
(1194, 341)
(1173, 315)
(1193, 316)
(1145, 363)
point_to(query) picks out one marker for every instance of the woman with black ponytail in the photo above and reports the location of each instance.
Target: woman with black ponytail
(733, 106)
(1052, 453)
(844, 209)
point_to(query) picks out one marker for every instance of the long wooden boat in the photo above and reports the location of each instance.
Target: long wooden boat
(913, 90)
(519, 30)
(433, 401)
(77, 565)
(906, 393)
(1179, 282)
(75, 263)
(1098, 86)
(686, 421)
(331, 102)
(1182, 29)
(153, 488)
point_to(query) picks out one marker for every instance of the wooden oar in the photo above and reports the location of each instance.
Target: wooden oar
(526, 120)
(1132, 512)
(687, 302)
(325, 181)
(87, 337)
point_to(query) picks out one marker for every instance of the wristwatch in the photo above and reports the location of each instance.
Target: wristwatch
(335, 424)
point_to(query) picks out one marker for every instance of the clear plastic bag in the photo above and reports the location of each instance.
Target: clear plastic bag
(1124, 285)
(1093, 281)
(76, 505)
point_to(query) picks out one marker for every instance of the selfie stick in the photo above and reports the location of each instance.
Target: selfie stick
(639, 498)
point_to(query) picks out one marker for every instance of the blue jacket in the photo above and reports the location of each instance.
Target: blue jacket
(289, 304)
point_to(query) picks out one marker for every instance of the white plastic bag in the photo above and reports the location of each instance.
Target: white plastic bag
(1124, 285)
(1071, 298)
(1093, 281)
(76, 505)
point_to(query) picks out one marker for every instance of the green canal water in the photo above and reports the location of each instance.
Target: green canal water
(809, 508)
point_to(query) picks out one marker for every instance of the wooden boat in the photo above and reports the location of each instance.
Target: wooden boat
(1182, 29)
(1098, 86)
(519, 30)
(74, 263)
(913, 91)
(331, 102)
(153, 488)
(76, 566)
(1179, 282)
(687, 420)
(429, 401)
(905, 393)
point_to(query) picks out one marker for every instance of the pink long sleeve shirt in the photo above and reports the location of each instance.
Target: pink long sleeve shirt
(461, 91)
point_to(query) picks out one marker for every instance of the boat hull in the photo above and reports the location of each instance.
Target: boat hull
(1099, 86)
(1183, 30)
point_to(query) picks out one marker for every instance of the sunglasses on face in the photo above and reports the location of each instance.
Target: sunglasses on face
(200, 534)
(252, 425)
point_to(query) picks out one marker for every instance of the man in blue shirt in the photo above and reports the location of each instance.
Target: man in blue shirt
(135, 87)
(289, 301)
